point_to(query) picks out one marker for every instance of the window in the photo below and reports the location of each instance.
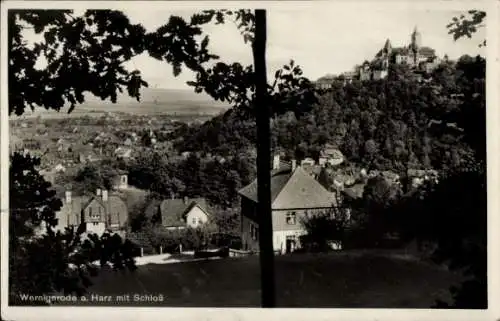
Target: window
(95, 223)
(291, 218)
(254, 232)
(93, 214)
(194, 221)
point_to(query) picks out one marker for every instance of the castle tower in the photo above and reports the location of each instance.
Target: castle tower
(416, 39)
(387, 47)
(416, 42)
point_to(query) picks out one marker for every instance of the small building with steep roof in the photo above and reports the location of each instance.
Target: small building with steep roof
(178, 213)
(294, 196)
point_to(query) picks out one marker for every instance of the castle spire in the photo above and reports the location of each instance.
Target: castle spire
(416, 39)
(387, 45)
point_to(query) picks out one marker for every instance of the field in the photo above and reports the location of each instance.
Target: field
(343, 280)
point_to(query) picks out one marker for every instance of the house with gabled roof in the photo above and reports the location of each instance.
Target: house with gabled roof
(175, 214)
(294, 195)
(97, 212)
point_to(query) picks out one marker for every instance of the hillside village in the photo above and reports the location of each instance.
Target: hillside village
(304, 186)
(377, 177)
(318, 181)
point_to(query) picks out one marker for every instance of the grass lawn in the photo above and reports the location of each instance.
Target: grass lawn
(341, 280)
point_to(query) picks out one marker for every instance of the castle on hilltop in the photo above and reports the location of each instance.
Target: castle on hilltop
(419, 58)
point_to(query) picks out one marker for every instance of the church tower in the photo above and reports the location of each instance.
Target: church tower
(386, 54)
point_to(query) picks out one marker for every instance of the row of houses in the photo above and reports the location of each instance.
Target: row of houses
(105, 210)
(295, 195)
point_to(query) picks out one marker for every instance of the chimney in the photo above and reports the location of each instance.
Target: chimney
(104, 195)
(98, 192)
(276, 162)
(294, 164)
(68, 197)
(185, 199)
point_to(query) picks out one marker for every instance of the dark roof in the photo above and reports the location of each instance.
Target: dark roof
(117, 210)
(400, 50)
(326, 78)
(173, 211)
(70, 213)
(426, 51)
(294, 189)
(279, 178)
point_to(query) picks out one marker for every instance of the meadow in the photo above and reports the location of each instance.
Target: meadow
(333, 280)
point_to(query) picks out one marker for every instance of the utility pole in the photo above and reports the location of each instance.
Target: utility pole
(262, 114)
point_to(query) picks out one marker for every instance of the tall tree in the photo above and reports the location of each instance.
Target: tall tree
(83, 54)
(41, 260)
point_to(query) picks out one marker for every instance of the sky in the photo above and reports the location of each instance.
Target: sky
(321, 41)
(322, 38)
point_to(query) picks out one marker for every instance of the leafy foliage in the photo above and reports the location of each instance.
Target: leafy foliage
(452, 215)
(466, 26)
(42, 260)
(325, 227)
(92, 46)
(218, 180)
(81, 54)
(373, 212)
(290, 91)
(90, 178)
(392, 124)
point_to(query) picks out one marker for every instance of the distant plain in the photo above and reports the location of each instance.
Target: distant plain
(154, 101)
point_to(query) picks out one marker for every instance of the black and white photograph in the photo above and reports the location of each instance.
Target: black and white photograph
(321, 154)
